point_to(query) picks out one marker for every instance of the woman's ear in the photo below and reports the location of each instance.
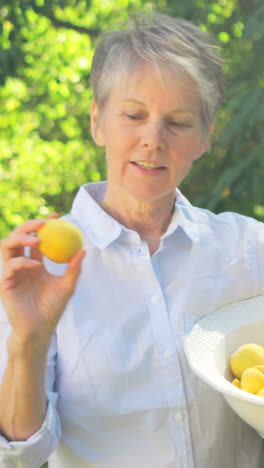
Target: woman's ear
(96, 129)
(212, 127)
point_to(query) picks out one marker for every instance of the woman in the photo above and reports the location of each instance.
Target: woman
(94, 373)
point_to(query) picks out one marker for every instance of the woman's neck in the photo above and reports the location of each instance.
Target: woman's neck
(149, 218)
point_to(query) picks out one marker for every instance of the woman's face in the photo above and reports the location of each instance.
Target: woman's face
(151, 130)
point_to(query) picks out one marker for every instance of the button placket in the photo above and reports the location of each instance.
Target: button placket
(168, 353)
(178, 416)
(155, 299)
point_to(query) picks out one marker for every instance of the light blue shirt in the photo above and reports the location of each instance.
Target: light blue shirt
(120, 392)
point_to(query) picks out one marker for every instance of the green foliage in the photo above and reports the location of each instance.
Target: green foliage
(46, 149)
(229, 178)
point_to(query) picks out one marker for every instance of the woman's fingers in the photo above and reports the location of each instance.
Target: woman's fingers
(32, 225)
(18, 264)
(35, 252)
(53, 216)
(73, 270)
(13, 246)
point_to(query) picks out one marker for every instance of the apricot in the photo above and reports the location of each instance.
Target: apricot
(236, 383)
(252, 380)
(246, 356)
(60, 240)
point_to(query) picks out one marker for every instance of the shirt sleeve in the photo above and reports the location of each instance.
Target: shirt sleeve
(34, 451)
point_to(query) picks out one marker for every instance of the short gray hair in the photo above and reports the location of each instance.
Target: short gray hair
(162, 40)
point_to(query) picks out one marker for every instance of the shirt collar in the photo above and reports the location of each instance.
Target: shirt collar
(185, 217)
(99, 226)
(102, 229)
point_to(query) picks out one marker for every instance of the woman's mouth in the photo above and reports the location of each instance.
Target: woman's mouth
(148, 166)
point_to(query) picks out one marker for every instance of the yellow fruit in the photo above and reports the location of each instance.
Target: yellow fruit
(236, 383)
(247, 355)
(60, 240)
(252, 380)
(261, 392)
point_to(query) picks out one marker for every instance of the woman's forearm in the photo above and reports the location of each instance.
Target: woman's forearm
(22, 392)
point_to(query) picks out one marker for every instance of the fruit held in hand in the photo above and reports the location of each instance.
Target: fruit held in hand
(60, 240)
(247, 355)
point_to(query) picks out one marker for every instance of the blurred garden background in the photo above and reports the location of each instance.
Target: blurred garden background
(46, 149)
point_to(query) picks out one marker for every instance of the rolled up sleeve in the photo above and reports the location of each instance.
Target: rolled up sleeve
(34, 451)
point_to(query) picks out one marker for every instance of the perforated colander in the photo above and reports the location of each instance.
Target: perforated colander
(212, 341)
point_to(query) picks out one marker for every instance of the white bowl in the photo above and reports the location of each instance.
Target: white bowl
(212, 341)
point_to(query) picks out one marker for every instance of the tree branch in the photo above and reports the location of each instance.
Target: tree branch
(66, 24)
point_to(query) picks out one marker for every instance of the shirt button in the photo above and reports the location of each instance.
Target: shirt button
(179, 417)
(155, 299)
(168, 353)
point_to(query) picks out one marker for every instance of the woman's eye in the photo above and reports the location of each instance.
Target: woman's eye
(133, 116)
(174, 123)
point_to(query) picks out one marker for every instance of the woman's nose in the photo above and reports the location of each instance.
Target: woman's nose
(153, 136)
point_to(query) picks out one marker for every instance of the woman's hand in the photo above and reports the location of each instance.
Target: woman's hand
(33, 298)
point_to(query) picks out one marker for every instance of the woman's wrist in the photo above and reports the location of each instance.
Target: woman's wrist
(33, 348)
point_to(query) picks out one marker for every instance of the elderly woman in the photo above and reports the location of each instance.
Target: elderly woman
(92, 365)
